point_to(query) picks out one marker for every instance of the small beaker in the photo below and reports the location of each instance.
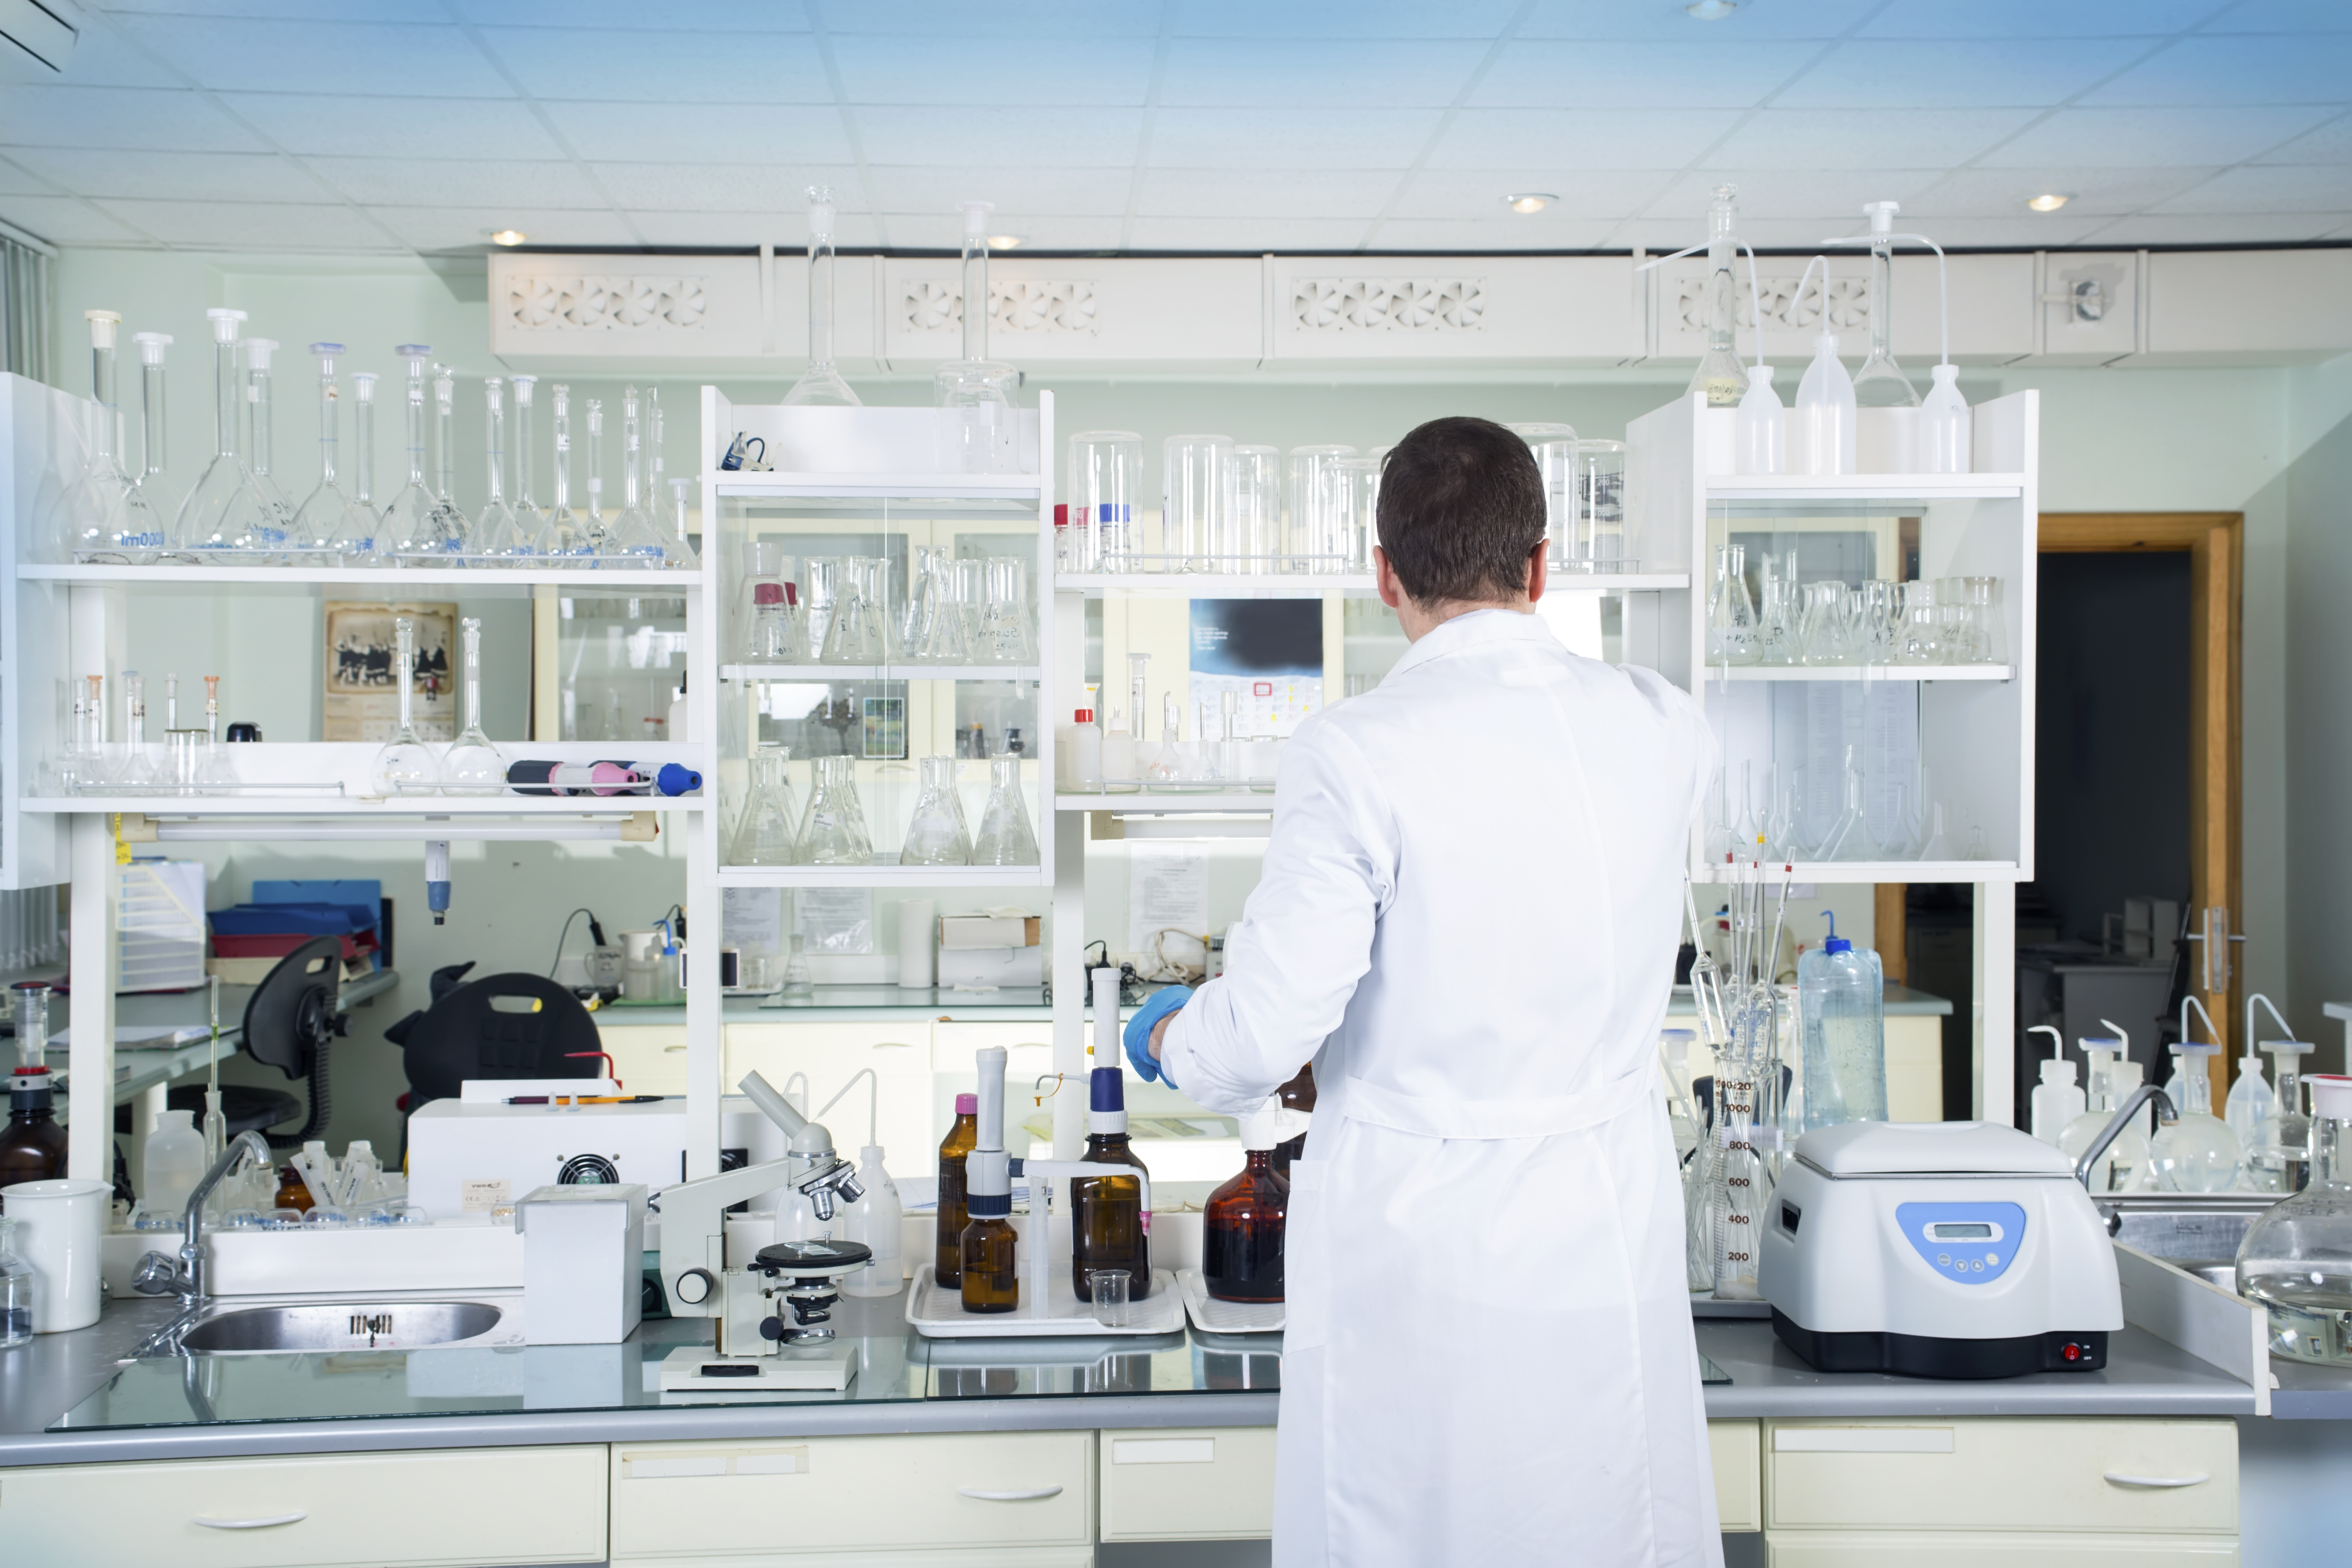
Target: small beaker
(1988, 632)
(1921, 638)
(1112, 1309)
(17, 1285)
(1553, 446)
(185, 757)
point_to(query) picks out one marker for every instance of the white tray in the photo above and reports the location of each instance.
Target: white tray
(1214, 1317)
(939, 1314)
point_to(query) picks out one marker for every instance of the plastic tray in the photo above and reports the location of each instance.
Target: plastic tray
(1214, 1317)
(939, 1314)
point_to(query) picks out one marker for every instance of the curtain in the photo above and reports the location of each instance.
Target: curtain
(24, 311)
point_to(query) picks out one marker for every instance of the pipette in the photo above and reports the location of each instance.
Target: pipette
(216, 1124)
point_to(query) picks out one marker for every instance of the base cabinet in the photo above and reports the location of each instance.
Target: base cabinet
(1733, 1445)
(1183, 1484)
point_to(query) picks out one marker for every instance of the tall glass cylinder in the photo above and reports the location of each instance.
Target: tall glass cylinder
(1254, 528)
(1318, 509)
(1196, 478)
(1553, 446)
(592, 517)
(567, 532)
(1601, 506)
(154, 458)
(501, 536)
(821, 386)
(1105, 474)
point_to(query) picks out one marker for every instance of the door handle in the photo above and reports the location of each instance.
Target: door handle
(264, 1523)
(2158, 1483)
(1032, 1494)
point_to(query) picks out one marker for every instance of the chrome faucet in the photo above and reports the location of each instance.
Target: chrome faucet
(157, 1274)
(2165, 1115)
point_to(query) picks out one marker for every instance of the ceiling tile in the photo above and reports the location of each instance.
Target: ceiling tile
(420, 127)
(2003, 193)
(1670, 21)
(1476, 195)
(774, 189)
(2035, 18)
(1831, 199)
(1014, 136)
(223, 176)
(2149, 138)
(1319, 19)
(18, 181)
(719, 18)
(675, 66)
(1955, 74)
(252, 226)
(2330, 143)
(108, 53)
(370, 57)
(2266, 188)
(2031, 231)
(456, 182)
(1290, 138)
(266, 10)
(1580, 138)
(1265, 193)
(1016, 189)
(1247, 237)
(1055, 19)
(61, 220)
(60, 116)
(1443, 235)
(699, 132)
(1063, 233)
(2265, 228)
(1695, 74)
(931, 71)
(468, 228)
(2283, 17)
(2239, 70)
(1867, 139)
(1341, 72)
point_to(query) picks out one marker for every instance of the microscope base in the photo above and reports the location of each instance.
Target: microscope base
(692, 1369)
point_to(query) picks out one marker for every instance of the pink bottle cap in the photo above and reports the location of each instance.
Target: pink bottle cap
(966, 1105)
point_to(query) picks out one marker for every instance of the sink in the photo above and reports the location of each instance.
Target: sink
(342, 1326)
(2187, 1228)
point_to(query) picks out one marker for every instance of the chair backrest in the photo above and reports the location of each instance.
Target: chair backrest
(504, 1026)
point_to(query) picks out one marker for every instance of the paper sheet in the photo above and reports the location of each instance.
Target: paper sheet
(835, 920)
(1167, 886)
(752, 919)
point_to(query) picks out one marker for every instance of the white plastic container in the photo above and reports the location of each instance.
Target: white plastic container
(1761, 433)
(2056, 1102)
(1945, 428)
(917, 938)
(174, 1163)
(57, 1227)
(1841, 1012)
(1825, 439)
(876, 1220)
(583, 1263)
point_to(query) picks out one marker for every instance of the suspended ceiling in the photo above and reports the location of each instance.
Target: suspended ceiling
(421, 126)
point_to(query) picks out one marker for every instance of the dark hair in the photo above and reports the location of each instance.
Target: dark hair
(1461, 507)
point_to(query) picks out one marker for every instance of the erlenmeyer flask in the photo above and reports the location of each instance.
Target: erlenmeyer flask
(413, 534)
(976, 392)
(853, 635)
(1939, 846)
(225, 496)
(565, 536)
(162, 497)
(501, 536)
(634, 541)
(1005, 836)
(833, 831)
(473, 765)
(946, 638)
(1721, 376)
(364, 541)
(406, 765)
(908, 617)
(683, 557)
(765, 833)
(109, 521)
(797, 980)
(323, 522)
(1005, 616)
(820, 385)
(937, 835)
(1731, 630)
(822, 580)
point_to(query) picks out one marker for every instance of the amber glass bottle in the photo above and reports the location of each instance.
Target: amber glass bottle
(947, 1266)
(293, 1192)
(991, 1279)
(1241, 1229)
(1298, 1094)
(1109, 1225)
(32, 1146)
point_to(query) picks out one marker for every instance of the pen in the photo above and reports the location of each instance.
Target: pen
(586, 1099)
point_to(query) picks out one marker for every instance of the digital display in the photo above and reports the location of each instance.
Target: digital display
(1960, 1232)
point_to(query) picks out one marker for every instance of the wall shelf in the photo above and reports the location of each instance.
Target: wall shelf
(1217, 584)
(1847, 873)
(404, 806)
(883, 876)
(1145, 803)
(881, 672)
(1855, 672)
(409, 582)
(1844, 490)
(737, 484)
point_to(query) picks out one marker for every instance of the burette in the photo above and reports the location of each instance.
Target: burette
(215, 1124)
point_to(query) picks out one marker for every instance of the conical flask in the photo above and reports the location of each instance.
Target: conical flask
(414, 533)
(107, 518)
(1005, 836)
(946, 638)
(323, 521)
(832, 831)
(472, 765)
(937, 835)
(853, 635)
(406, 764)
(1004, 637)
(500, 535)
(821, 386)
(765, 834)
(1732, 634)
(1721, 376)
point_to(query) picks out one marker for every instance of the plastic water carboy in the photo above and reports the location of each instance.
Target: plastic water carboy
(1840, 1011)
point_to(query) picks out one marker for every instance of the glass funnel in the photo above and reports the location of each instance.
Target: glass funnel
(531, 518)
(2197, 1153)
(2296, 1259)
(976, 392)
(821, 386)
(1005, 836)
(1721, 376)
(162, 497)
(414, 531)
(832, 831)
(765, 834)
(472, 765)
(323, 522)
(634, 541)
(937, 835)
(109, 519)
(1004, 637)
(500, 535)
(1880, 382)
(406, 765)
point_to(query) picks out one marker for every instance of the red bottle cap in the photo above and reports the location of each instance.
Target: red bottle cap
(1085, 715)
(767, 593)
(1061, 515)
(792, 594)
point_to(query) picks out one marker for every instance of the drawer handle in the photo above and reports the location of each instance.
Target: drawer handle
(668, 1048)
(1032, 1494)
(2158, 1483)
(275, 1519)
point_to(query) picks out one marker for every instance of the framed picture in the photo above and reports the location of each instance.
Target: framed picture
(886, 727)
(361, 694)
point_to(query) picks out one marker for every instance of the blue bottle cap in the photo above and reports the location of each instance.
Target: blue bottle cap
(1106, 1089)
(1835, 943)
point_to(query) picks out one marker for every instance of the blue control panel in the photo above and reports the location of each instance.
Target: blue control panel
(1971, 1243)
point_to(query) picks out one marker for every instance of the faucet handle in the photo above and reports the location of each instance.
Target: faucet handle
(157, 1275)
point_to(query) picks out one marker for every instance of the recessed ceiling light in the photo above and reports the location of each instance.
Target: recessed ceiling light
(2050, 201)
(1005, 241)
(509, 237)
(1712, 10)
(1529, 201)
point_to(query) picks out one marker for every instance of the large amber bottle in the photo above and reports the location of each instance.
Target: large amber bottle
(1110, 1226)
(1298, 1095)
(947, 1263)
(31, 1145)
(989, 1267)
(1241, 1229)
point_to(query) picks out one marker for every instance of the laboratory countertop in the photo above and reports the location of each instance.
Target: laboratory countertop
(69, 1398)
(1899, 1002)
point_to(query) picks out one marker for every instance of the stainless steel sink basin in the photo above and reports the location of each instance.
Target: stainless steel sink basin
(353, 1326)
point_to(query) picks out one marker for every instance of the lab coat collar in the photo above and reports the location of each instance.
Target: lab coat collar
(1476, 629)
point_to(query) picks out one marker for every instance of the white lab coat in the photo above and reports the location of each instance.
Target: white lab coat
(1468, 919)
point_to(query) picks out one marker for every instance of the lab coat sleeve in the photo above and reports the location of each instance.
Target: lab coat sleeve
(1305, 939)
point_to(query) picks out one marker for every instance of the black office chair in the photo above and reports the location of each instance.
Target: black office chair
(503, 1026)
(291, 1020)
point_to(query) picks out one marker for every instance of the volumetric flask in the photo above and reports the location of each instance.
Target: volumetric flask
(1318, 509)
(1254, 527)
(1601, 506)
(937, 835)
(1196, 477)
(1553, 446)
(1105, 476)
(765, 834)
(1004, 615)
(1005, 836)
(832, 831)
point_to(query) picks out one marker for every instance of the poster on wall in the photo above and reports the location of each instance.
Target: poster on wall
(1267, 652)
(362, 696)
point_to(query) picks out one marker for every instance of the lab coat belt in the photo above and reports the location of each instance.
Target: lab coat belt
(1431, 1117)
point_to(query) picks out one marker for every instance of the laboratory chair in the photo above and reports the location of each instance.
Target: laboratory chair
(505, 1026)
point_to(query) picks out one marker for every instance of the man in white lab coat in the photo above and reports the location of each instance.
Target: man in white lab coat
(1467, 923)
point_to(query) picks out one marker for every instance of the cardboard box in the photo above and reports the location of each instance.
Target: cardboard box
(989, 931)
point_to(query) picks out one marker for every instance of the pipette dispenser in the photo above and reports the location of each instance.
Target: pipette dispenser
(990, 1281)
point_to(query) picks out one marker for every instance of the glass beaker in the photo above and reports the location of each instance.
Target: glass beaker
(1318, 508)
(472, 765)
(1196, 477)
(821, 386)
(1731, 630)
(1600, 505)
(1254, 526)
(1105, 476)
(1988, 629)
(109, 519)
(1876, 637)
(1553, 446)
(1005, 836)
(766, 833)
(765, 566)
(1004, 637)
(406, 764)
(1360, 478)
(2296, 1259)
(833, 829)
(18, 1284)
(937, 835)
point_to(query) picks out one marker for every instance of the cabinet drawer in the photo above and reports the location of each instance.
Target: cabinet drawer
(1186, 1484)
(786, 1498)
(1876, 1548)
(2048, 1474)
(477, 1506)
(648, 1059)
(1738, 1473)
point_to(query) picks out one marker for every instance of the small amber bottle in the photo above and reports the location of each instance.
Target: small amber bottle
(1110, 1227)
(1298, 1095)
(293, 1192)
(963, 1138)
(1241, 1228)
(991, 1265)
(31, 1145)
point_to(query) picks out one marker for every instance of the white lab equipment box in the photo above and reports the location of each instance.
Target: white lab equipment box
(583, 1263)
(468, 1157)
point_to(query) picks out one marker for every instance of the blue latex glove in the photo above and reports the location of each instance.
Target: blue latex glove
(1137, 1039)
